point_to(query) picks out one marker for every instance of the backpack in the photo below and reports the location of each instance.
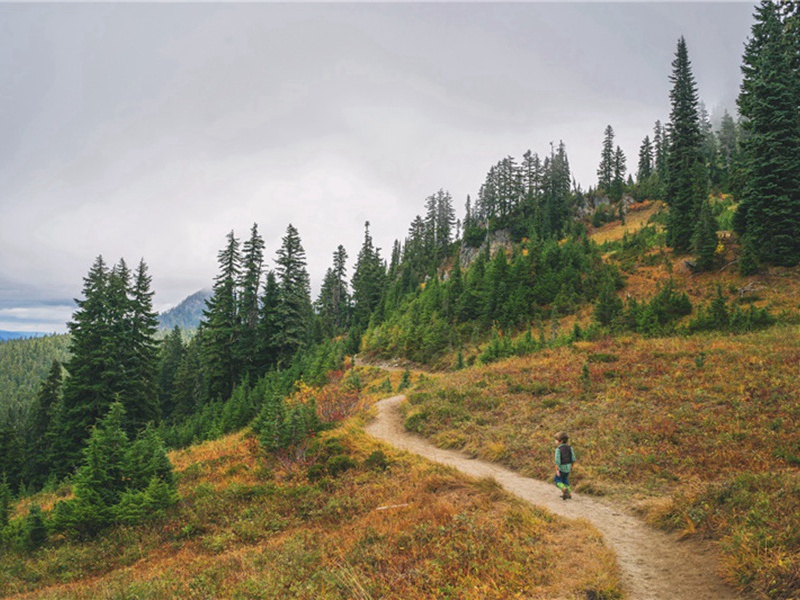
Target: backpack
(565, 453)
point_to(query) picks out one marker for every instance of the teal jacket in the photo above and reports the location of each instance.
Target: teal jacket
(566, 468)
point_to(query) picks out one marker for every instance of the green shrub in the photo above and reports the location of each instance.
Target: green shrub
(338, 464)
(377, 461)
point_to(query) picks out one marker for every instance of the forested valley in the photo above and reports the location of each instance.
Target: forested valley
(521, 273)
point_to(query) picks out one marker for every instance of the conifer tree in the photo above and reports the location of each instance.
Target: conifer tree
(172, 352)
(704, 240)
(686, 177)
(102, 478)
(189, 383)
(728, 156)
(5, 501)
(333, 304)
(85, 398)
(293, 310)
(645, 168)
(35, 531)
(660, 152)
(146, 459)
(220, 328)
(769, 211)
(248, 298)
(11, 452)
(140, 394)
(557, 195)
(605, 172)
(38, 449)
(618, 178)
(268, 325)
(368, 281)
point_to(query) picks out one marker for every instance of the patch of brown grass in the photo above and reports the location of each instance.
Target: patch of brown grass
(658, 418)
(255, 526)
(637, 217)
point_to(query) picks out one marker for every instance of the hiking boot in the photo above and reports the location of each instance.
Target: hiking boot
(565, 494)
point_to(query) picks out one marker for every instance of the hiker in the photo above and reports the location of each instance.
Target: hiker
(565, 456)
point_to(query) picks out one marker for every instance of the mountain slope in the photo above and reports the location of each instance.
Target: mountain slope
(186, 315)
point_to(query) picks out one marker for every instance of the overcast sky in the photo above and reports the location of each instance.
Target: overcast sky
(152, 130)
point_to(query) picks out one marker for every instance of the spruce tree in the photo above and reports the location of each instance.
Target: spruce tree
(172, 352)
(333, 304)
(5, 501)
(102, 478)
(685, 179)
(293, 310)
(618, 178)
(38, 448)
(605, 172)
(86, 394)
(368, 281)
(557, 195)
(645, 168)
(769, 212)
(728, 142)
(140, 395)
(35, 532)
(189, 386)
(220, 327)
(660, 152)
(248, 309)
(704, 239)
(268, 325)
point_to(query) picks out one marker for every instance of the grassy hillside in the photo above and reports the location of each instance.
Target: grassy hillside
(697, 432)
(339, 517)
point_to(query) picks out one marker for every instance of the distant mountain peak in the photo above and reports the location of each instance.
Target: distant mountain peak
(186, 315)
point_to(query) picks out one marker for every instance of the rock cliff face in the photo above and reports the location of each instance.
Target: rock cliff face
(498, 239)
(592, 203)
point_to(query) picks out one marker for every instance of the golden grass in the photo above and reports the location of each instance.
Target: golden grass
(254, 526)
(636, 218)
(670, 425)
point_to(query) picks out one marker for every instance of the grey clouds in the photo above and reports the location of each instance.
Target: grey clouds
(151, 130)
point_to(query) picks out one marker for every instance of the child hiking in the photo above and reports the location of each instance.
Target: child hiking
(565, 457)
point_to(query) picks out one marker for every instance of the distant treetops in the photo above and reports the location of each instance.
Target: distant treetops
(757, 160)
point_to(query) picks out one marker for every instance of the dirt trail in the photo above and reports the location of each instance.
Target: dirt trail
(654, 565)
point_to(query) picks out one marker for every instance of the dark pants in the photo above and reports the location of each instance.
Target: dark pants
(562, 478)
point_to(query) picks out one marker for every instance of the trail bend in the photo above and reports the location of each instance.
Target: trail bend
(654, 565)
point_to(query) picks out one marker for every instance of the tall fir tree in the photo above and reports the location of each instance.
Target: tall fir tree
(618, 178)
(268, 325)
(86, 397)
(140, 397)
(333, 304)
(558, 191)
(294, 303)
(645, 167)
(686, 175)
(704, 239)
(220, 328)
(248, 310)
(605, 172)
(38, 450)
(769, 211)
(171, 355)
(728, 156)
(368, 281)
(660, 152)
(113, 359)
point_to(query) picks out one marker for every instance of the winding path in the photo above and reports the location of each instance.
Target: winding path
(654, 565)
